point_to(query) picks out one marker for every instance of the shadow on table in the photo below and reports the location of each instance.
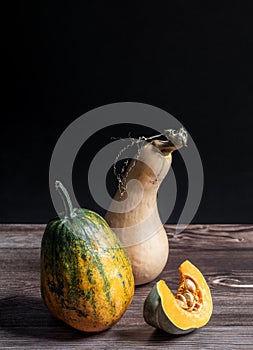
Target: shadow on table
(148, 335)
(28, 317)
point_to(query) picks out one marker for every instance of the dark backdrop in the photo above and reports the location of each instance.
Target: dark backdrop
(64, 58)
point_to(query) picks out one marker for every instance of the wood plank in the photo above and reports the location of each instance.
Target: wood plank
(214, 237)
(226, 261)
(130, 338)
(21, 236)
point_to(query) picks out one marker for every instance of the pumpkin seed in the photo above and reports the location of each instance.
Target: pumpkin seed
(182, 304)
(190, 286)
(182, 298)
(182, 301)
(189, 298)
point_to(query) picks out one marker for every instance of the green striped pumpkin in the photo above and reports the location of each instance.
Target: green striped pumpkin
(86, 276)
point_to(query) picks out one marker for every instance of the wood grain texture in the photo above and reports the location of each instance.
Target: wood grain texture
(224, 254)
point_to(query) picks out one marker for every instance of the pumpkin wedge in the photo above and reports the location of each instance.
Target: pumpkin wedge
(189, 309)
(86, 276)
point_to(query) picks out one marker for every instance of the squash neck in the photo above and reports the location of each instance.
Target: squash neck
(142, 184)
(151, 168)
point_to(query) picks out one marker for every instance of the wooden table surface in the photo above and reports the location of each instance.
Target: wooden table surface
(224, 254)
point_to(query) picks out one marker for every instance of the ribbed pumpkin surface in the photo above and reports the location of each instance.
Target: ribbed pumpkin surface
(86, 277)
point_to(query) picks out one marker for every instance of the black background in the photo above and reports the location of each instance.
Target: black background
(64, 58)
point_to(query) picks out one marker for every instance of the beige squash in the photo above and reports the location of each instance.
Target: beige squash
(134, 215)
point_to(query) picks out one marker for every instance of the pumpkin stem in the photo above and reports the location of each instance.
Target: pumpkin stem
(68, 207)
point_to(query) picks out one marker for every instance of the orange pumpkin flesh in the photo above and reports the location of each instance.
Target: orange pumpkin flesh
(162, 309)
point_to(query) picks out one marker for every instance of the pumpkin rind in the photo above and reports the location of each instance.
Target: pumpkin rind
(161, 309)
(86, 276)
